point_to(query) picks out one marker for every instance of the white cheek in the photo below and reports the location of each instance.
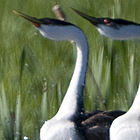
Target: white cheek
(59, 32)
(123, 33)
(50, 32)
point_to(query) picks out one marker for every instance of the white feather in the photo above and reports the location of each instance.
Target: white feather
(120, 33)
(127, 126)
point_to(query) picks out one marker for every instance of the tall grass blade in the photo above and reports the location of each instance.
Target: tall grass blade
(18, 125)
(7, 122)
(44, 103)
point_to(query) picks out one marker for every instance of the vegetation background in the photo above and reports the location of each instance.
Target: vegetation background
(35, 72)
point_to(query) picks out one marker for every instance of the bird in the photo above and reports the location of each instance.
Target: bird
(127, 126)
(117, 29)
(72, 122)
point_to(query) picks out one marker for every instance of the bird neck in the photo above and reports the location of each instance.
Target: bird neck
(136, 104)
(72, 106)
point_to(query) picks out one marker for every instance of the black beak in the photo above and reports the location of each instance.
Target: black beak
(93, 20)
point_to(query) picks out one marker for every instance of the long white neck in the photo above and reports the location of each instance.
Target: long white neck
(136, 103)
(73, 106)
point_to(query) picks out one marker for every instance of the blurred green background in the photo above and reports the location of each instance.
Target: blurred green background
(35, 72)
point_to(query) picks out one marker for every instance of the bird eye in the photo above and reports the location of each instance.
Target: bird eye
(106, 21)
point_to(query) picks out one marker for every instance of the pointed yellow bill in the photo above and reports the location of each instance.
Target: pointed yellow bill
(35, 21)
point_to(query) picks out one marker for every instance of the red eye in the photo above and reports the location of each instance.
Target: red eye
(106, 21)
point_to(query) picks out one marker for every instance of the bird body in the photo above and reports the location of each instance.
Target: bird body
(117, 29)
(127, 126)
(71, 122)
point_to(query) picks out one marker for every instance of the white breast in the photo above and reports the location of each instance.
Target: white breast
(59, 130)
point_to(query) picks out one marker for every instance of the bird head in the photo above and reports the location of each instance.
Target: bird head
(52, 28)
(118, 29)
(114, 23)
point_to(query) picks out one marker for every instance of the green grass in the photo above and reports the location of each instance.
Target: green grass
(35, 72)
